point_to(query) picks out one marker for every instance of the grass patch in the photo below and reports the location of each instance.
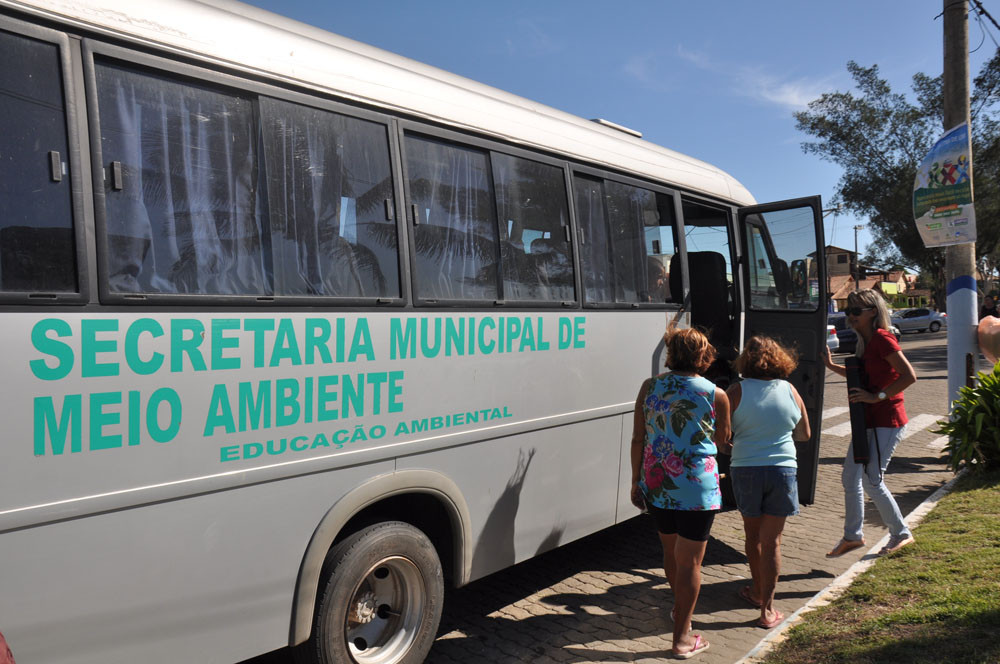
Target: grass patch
(937, 600)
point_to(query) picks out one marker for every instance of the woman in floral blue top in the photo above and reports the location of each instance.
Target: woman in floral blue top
(679, 418)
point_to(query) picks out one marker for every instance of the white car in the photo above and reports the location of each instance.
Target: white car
(832, 340)
(919, 320)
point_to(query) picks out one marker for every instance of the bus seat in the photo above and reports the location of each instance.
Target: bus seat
(710, 298)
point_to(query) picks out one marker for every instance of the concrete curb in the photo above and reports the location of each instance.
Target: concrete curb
(842, 582)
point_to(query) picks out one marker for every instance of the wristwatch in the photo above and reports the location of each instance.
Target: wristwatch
(882, 396)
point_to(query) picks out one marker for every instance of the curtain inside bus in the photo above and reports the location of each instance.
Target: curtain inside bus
(190, 217)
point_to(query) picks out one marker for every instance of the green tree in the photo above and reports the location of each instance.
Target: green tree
(879, 137)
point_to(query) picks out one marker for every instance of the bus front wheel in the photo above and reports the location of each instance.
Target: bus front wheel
(380, 599)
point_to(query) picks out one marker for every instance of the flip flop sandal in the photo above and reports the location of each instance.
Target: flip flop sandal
(700, 646)
(778, 618)
(845, 546)
(745, 595)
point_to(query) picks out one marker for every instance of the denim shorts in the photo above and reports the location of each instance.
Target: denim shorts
(771, 490)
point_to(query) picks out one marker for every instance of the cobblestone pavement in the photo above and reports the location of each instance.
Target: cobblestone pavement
(604, 598)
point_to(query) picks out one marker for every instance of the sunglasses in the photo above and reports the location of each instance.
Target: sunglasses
(856, 311)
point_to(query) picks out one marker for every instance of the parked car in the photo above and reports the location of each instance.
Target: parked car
(919, 319)
(832, 340)
(846, 336)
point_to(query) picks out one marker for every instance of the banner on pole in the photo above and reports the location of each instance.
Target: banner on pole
(942, 191)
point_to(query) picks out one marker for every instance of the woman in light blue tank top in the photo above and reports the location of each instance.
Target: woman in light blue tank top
(768, 416)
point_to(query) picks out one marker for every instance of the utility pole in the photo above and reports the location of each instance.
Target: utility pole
(960, 259)
(857, 261)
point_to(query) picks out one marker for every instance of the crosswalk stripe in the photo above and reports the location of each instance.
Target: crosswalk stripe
(919, 423)
(938, 443)
(842, 429)
(916, 424)
(833, 412)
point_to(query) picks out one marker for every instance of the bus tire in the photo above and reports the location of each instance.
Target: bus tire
(379, 601)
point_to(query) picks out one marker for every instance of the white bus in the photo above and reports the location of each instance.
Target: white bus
(296, 332)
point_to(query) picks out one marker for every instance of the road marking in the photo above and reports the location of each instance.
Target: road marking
(919, 423)
(842, 429)
(938, 443)
(916, 425)
(833, 412)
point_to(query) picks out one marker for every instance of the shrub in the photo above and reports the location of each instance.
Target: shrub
(974, 430)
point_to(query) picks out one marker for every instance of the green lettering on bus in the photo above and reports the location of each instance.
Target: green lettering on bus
(135, 363)
(362, 342)
(59, 350)
(258, 326)
(69, 424)
(285, 345)
(317, 338)
(286, 404)
(90, 346)
(325, 396)
(181, 345)
(402, 341)
(220, 342)
(100, 419)
(172, 399)
(220, 412)
(255, 412)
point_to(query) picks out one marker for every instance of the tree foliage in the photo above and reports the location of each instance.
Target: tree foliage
(879, 136)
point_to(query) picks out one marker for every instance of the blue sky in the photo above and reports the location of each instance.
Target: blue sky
(716, 80)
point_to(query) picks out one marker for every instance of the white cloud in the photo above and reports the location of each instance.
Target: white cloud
(531, 41)
(757, 83)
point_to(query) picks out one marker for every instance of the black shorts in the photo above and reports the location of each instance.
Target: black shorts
(689, 524)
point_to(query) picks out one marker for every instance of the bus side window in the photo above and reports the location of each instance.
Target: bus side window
(37, 249)
(536, 258)
(595, 257)
(187, 214)
(455, 237)
(328, 177)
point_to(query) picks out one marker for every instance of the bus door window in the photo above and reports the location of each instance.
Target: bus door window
(710, 273)
(329, 181)
(186, 210)
(781, 252)
(37, 251)
(455, 232)
(660, 232)
(536, 257)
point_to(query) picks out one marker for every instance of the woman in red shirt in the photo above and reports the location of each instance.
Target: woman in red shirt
(888, 373)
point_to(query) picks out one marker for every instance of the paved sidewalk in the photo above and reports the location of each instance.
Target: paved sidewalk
(604, 598)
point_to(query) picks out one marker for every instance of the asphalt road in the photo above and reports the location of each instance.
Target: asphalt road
(604, 598)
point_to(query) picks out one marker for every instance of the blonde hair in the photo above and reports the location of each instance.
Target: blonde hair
(869, 298)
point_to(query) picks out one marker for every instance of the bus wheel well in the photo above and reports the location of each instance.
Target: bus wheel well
(420, 510)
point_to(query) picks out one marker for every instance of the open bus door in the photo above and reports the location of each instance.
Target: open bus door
(783, 275)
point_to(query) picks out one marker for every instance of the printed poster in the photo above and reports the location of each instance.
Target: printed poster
(942, 191)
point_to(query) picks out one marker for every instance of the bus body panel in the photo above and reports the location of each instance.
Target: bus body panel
(208, 578)
(533, 492)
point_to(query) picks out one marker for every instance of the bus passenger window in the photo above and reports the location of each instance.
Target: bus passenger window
(185, 198)
(455, 232)
(36, 219)
(536, 259)
(595, 257)
(328, 178)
